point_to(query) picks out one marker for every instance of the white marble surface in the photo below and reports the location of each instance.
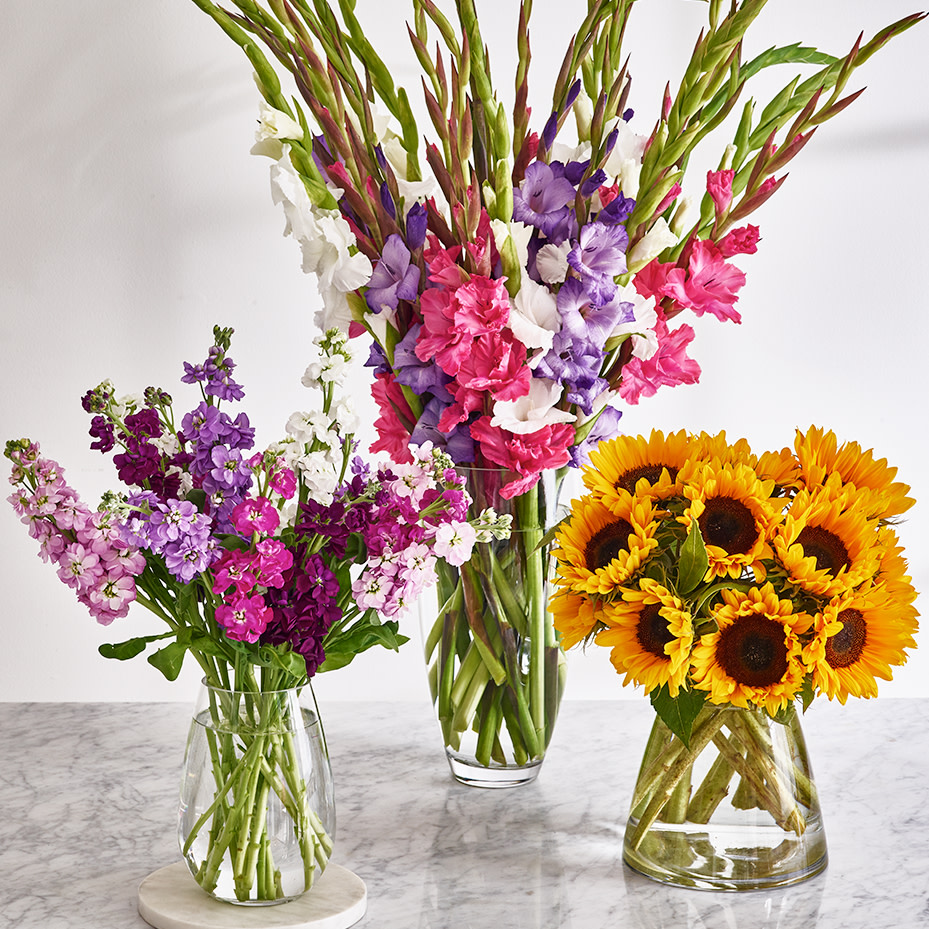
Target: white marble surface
(88, 793)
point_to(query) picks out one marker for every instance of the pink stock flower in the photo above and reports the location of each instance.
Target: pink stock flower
(719, 185)
(272, 558)
(393, 433)
(244, 618)
(111, 597)
(454, 542)
(741, 241)
(233, 569)
(666, 368)
(709, 285)
(78, 566)
(526, 455)
(283, 481)
(255, 515)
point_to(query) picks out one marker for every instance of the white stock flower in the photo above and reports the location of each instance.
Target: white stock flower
(534, 411)
(127, 404)
(312, 427)
(534, 318)
(344, 416)
(318, 475)
(167, 444)
(454, 542)
(651, 245)
(552, 262)
(625, 160)
(273, 125)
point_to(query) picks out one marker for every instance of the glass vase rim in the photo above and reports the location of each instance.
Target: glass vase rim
(218, 688)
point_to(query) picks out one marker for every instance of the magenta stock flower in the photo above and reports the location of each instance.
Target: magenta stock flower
(255, 515)
(243, 618)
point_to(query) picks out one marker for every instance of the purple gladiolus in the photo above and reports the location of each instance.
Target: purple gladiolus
(417, 221)
(542, 199)
(394, 278)
(598, 258)
(606, 427)
(581, 321)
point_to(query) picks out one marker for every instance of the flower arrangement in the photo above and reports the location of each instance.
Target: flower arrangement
(520, 283)
(266, 567)
(719, 578)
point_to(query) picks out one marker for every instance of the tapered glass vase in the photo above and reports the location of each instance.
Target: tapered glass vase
(257, 817)
(496, 668)
(735, 809)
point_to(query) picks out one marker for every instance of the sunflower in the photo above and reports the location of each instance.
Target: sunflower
(635, 465)
(733, 509)
(892, 571)
(820, 456)
(599, 549)
(651, 634)
(707, 448)
(575, 617)
(859, 638)
(826, 544)
(755, 654)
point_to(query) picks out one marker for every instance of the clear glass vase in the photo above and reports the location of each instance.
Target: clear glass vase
(257, 817)
(496, 669)
(736, 809)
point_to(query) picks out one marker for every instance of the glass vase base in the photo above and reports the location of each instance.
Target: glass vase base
(170, 899)
(688, 855)
(472, 774)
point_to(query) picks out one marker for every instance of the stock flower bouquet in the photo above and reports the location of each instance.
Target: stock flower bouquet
(732, 588)
(266, 567)
(521, 285)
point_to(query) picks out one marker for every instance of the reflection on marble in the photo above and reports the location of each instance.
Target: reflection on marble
(88, 795)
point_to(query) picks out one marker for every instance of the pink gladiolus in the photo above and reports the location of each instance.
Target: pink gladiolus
(719, 185)
(526, 455)
(741, 241)
(668, 367)
(709, 285)
(393, 434)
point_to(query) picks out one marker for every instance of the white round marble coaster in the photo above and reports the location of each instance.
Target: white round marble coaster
(169, 898)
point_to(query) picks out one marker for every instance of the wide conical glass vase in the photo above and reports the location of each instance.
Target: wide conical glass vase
(496, 668)
(734, 809)
(257, 817)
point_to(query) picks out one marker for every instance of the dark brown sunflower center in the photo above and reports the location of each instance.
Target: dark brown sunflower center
(826, 547)
(728, 524)
(653, 632)
(651, 472)
(845, 647)
(753, 651)
(606, 544)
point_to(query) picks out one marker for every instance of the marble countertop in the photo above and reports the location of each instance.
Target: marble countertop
(88, 794)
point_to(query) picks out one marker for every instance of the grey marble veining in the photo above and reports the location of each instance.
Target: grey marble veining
(88, 794)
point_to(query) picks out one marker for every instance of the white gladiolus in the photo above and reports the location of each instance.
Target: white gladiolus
(273, 125)
(651, 245)
(625, 160)
(534, 318)
(642, 327)
(534, 411)
(552, 262)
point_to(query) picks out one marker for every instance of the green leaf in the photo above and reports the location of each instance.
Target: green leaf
(359, 638)
(693, 562)
(807, 692)
(678, 713)
(168, 660)
(122, 651)
(795, 54)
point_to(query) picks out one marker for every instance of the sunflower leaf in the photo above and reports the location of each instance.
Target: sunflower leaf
(678, 713)
(693, 561)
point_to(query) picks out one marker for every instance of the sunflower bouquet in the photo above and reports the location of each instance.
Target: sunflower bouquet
(726, 581)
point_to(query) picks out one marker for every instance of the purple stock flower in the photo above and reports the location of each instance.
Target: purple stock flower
(542, 199)
(598, 258)
(206, 425)
(219, 382)
(228, 471)
(394, 278)
(101, 429)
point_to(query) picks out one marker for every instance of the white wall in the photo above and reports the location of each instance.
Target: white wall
(133, 218)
